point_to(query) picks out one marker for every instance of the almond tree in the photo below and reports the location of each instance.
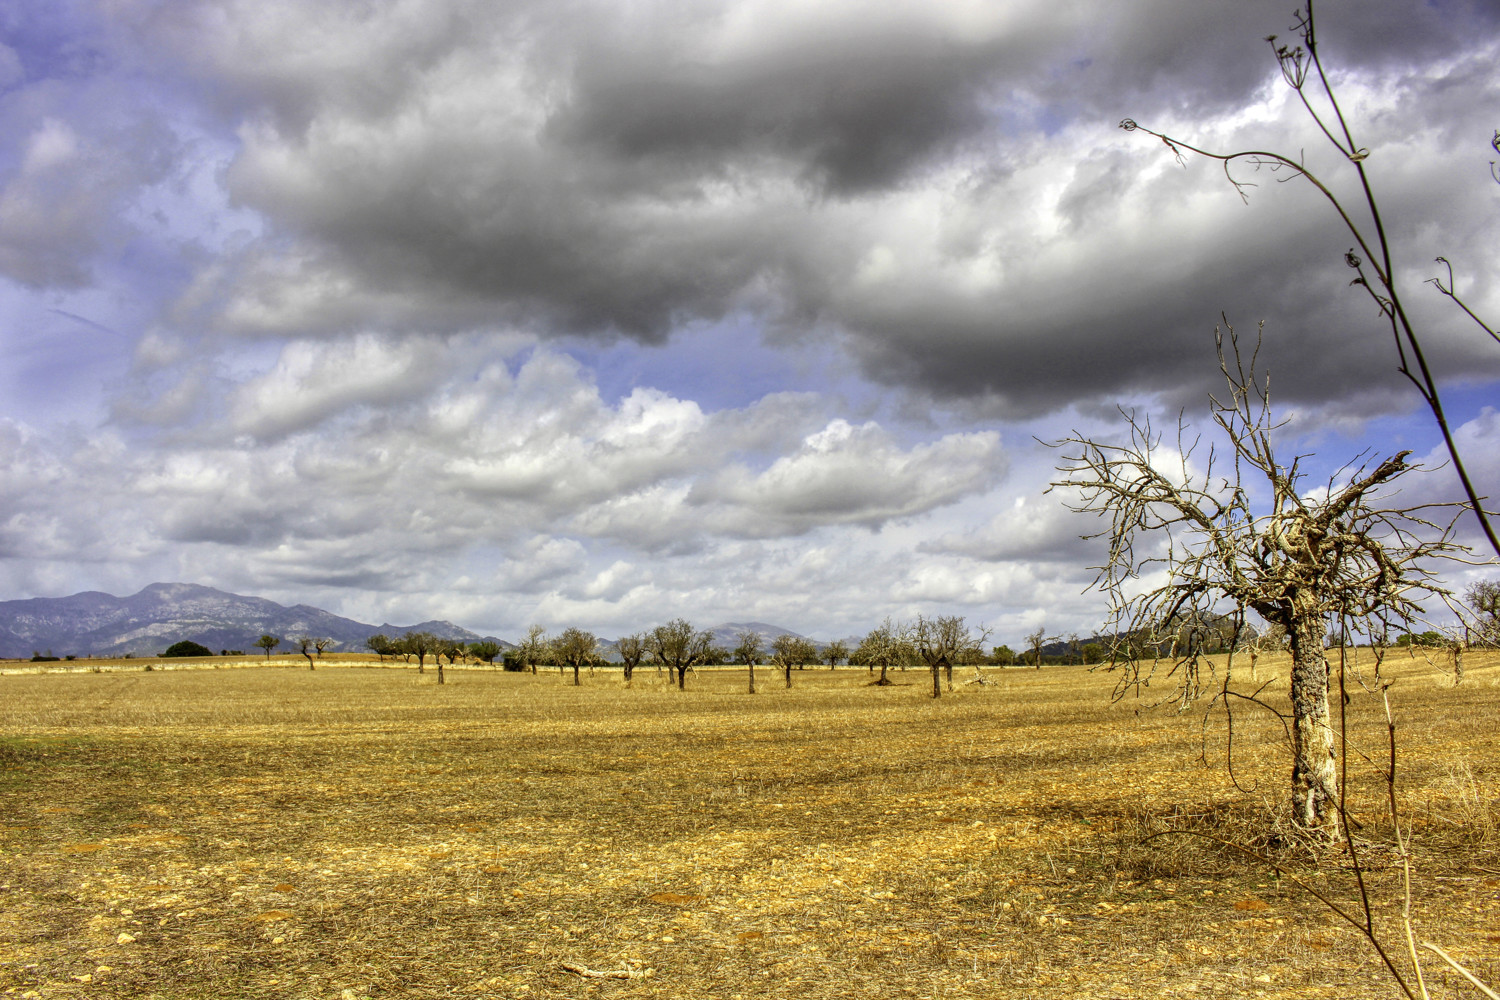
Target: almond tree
(834, 652)
(575, 647)
(1484, 598)
(632, 648)
(788, 651)
(885, 646)
(677, 646)
(485, 650)
(942, 641)
(532, 649)
(267, 642)
(749, 652)
(1035, 640)
(422, 645)
(306, 642)
(1241, 532)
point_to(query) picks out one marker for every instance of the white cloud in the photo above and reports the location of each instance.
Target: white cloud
(845, 474)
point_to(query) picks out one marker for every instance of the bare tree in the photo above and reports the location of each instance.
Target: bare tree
(1484, 598)
(1242, 534)
(678, 646)
(1271, 639)
(940, 642)
(321, 643)
(532, 649)
(749, 652)
(307, 643)
(884, 647)
(575, 647)
(834, 652)
(1302, 69)
(632, 647)
(1035, 640)
(1075, 646)
(788, 651)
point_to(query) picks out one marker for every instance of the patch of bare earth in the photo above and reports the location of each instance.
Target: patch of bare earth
(350, 833)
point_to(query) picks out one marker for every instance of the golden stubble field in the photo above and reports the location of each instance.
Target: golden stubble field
(355, 832)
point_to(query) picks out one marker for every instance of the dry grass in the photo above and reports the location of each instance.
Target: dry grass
(360, 833)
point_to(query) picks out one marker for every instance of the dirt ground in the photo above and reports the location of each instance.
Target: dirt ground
(357, 832)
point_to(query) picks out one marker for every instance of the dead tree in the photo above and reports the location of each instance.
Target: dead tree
(1239, 531)
(1302, 70)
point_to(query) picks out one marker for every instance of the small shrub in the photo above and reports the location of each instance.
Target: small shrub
(187, 648)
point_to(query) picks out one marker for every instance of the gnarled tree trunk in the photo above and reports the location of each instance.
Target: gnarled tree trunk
(1315, 782)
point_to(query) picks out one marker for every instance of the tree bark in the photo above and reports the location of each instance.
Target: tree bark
(752, 678)
(440, 670)
(1315, 783)
(788, 675)
(682, 677)
(575, 675)
(937, 683)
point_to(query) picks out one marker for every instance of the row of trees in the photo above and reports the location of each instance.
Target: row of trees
(939, 643)
(677, 647)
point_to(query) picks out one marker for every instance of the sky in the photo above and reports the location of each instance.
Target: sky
(605, 313)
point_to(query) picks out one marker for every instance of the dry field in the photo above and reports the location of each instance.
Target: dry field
(272, 832)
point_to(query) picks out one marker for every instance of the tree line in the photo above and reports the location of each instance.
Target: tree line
(678, 647)
(937, 643)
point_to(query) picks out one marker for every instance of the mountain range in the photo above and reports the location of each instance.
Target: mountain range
(144, 624)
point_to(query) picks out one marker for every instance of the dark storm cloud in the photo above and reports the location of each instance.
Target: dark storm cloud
(850, 113)
(941, 186)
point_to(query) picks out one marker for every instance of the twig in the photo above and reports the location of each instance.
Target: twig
(1461, 970)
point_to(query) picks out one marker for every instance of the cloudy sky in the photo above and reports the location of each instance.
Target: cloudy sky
(601, 313)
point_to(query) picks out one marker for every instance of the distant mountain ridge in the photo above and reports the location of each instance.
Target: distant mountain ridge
(146, 623)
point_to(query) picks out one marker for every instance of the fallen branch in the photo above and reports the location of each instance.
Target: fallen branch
(587, 973)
